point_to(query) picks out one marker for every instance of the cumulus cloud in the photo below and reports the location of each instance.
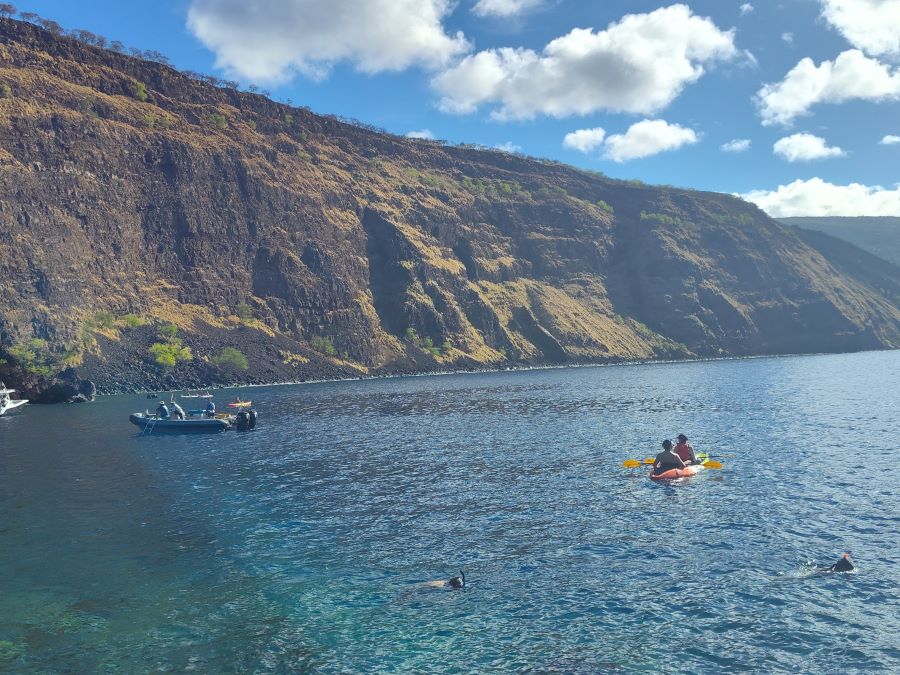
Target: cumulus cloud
(508, 146)
(746, 8)
(736, 145)
(788, 37)
(852, 75)
(422, 133)
(805, 148)
(648, 137)
(638, 65)
(584, 140)
(268, 40)
(816, 197)
(504, 8)
(870, 25)
(890, 139)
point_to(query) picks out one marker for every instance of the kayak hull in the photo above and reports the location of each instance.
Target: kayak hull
(151, 425)
(674, 474)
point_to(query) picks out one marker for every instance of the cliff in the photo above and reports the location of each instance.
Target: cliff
(879, 235)
(140, 207)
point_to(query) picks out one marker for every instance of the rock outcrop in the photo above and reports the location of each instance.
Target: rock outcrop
(139, 207)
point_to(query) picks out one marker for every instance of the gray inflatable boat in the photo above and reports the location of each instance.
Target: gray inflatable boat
(151, 424)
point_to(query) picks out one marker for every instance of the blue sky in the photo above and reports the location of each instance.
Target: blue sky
(654, 89)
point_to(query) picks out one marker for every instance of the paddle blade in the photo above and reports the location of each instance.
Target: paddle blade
(631, 463)
(713, 464)
(649, 460)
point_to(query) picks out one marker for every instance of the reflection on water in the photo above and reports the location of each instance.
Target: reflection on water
(302, 545)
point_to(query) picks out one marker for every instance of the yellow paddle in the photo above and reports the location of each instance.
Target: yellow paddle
(633, 463)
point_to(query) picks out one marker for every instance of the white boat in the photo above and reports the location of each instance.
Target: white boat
(6, 400)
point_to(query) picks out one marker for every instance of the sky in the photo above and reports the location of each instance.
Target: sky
(792, 104)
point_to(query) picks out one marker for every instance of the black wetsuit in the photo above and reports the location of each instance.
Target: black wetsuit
(842, 565)
(665, 461)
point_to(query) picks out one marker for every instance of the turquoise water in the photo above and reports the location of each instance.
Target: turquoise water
(303, 545)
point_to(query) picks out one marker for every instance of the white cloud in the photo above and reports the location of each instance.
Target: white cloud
(815, 197)
(508, 146)
(870, 25)
(648, 137)
(852, 75)
(268, 40)
(736, 145)
(422, 133)
(890, 139)
(788, 37)
(504, 8)
(639, 65)
(805, 148)
(746, 8)
(584, 140)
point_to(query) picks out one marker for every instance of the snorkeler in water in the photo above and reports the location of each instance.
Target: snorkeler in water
(842, 565)
(453, 583)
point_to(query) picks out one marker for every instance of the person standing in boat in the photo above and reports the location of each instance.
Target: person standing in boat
(210, 409)
(667, 459)
(685, 451)
(162, 411)
(177, 410)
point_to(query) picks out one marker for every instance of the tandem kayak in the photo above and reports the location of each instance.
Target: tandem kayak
(687, 471)
(151, 424)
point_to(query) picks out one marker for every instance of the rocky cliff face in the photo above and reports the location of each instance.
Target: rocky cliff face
(138, 206)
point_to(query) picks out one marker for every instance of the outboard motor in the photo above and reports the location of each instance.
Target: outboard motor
(242, 421)
(253, 415)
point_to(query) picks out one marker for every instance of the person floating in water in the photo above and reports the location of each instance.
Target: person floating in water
(685, 451)
(843, 565)
(667, 459)
(453, 583)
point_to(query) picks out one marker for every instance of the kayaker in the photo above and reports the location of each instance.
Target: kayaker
(210, 408)
(685, 451)
(162, 412)
(842, 565)
(667, 459)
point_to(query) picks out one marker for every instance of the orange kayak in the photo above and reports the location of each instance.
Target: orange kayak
(672, 474)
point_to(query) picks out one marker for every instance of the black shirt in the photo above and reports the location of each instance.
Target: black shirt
(666, 460)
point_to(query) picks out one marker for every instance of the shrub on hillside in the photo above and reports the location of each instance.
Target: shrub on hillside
(168, 354)
(231, 359)
(323, 345)
(139, 91)
(244, 311)
(130, 321)
(217, 121)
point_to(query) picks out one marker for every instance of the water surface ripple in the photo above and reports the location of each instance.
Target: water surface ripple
(302, 545)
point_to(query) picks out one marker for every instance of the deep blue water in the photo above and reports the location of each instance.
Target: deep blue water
(303, 544)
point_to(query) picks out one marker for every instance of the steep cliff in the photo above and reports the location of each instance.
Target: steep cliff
(140, 207)
(879, 235)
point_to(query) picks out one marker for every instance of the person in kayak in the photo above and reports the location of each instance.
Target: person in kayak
(842, 565)
(685, 451)
(667, 459)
